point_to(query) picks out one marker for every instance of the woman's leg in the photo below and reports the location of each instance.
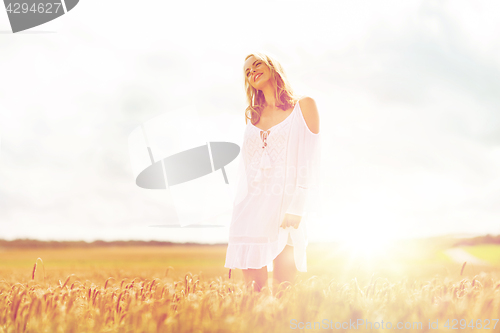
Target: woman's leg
(284, 269)
(257, 275)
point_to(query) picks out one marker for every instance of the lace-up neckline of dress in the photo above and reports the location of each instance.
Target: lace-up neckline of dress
(265, 160)
(266, 133)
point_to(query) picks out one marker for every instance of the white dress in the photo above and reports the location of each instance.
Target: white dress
(278, 172)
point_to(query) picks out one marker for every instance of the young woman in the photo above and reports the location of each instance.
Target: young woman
(278, 168)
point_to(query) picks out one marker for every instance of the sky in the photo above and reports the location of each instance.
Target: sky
(407, 93)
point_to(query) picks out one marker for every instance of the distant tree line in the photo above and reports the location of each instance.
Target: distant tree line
(39, 244)
(488, 239)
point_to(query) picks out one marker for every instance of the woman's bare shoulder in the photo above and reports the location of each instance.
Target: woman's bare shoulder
(310, 113)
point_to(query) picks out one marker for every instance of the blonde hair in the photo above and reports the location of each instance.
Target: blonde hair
(284, 95)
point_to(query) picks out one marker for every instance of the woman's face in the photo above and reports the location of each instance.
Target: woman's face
(257, 72)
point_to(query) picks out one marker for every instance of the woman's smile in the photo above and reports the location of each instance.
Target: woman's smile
(256, 77)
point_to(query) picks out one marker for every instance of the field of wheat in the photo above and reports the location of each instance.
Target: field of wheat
(408, 288)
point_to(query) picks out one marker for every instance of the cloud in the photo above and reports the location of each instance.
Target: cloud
(406, 91)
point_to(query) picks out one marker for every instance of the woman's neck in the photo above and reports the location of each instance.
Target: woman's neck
(269, 96)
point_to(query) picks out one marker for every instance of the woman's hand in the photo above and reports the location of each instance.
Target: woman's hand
(291, 220)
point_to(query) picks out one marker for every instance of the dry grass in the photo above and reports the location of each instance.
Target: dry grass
(171, 299)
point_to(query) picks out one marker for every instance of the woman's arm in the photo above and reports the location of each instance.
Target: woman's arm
(308, 160)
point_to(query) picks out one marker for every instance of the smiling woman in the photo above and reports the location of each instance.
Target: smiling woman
(279, 168)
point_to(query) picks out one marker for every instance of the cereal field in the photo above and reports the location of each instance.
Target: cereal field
(411, 286)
